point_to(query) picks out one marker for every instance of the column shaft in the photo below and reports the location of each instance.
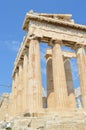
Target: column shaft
(60, 86)
(20, 89)
(81, 58)
(70, 86)
(50, 87)
(25, 82)
(34, 74)
(17, 93)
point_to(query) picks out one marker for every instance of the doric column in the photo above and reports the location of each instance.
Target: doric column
(20, 88)
(59, 78)
(70, 86)
(34, 75)
(15, 93)
(50, 87)
(81, 58)
(17, 88)
(25, 82)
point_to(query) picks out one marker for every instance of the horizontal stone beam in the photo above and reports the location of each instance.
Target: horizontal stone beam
(69, 54)
(19, 55)
(65, 54)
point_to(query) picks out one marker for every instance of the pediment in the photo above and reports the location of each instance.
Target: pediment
(56, 19)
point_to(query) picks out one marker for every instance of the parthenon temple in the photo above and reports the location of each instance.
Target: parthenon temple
(55, 30)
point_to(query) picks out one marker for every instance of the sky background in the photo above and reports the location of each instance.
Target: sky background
(12, 13)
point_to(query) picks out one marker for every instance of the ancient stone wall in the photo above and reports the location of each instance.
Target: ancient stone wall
(4, 106)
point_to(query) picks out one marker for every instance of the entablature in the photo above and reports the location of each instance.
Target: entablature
(62, 20)
(70, 37)
(52, 27)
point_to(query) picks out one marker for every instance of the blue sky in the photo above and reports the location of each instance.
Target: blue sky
(12, 13)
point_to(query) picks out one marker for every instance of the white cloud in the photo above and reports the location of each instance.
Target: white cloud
(11, 44)
(14, 45)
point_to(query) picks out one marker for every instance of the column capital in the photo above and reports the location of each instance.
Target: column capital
(57, 41)
(33, 37)
(81, 50)
(78, 45)
(25, 52)
(20, 62)
(52, 42)
(48, 53)
(17, 70)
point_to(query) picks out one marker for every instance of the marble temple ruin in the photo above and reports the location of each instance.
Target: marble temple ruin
(56, 30)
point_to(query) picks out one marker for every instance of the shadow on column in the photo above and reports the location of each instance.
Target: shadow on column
(70, 85)
(50, 85)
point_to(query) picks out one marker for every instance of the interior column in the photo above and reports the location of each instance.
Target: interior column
(59, 78)
(50, 86)
(70, 85)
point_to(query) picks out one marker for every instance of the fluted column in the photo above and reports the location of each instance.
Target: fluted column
(34, 75)
(59, 78)
(17, 88)
(81, 58)
(20, 89)
(25, 82)
(70, 85)
(15, 93)
(50, 87)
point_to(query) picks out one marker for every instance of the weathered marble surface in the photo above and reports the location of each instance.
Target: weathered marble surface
(61, 121)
